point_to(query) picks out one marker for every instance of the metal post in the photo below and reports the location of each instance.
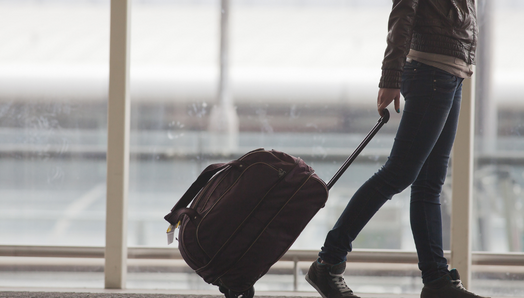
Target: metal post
(462, 183)
(295, 274)
(486, 106)
(223, 122)
(117, 147)
(224, 95)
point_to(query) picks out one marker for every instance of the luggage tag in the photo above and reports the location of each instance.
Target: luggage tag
(171, 233)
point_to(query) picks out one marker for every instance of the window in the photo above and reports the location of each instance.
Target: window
(53, 101)
(303, 79)
(499, 173)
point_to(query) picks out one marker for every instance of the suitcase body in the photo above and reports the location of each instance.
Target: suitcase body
(247, 217)
(245, 214)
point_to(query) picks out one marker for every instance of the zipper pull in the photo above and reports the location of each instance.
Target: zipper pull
(281, 173)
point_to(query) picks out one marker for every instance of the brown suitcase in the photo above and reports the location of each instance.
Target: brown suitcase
(245, 214)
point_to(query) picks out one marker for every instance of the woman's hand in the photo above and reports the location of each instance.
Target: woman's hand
(385, 97)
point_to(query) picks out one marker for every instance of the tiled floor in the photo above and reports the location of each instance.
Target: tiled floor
(101, 293)
(6, 292)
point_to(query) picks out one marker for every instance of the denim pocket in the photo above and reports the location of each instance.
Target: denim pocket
(444, 82)
(416, 79)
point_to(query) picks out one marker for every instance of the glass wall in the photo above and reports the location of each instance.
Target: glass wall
(174, 71)
(302, 78)
(499, 169)
(53, 98)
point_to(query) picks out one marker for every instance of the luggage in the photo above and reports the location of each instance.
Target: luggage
(245, 214)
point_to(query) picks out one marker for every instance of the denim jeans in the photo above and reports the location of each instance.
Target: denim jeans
(419, 157)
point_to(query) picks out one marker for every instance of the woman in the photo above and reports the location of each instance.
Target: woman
(430, 50)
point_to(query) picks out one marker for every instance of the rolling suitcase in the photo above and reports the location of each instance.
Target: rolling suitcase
(245, 214)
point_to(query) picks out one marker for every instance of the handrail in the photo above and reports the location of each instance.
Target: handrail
(294, 255)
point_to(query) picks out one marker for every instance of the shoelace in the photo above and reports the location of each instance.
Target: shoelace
(340, 283)
(458, 283)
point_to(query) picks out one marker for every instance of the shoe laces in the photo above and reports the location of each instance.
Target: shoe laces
(340, 283)
(458, 284)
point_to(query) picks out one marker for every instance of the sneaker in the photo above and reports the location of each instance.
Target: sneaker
(328, 280)
(448, 286)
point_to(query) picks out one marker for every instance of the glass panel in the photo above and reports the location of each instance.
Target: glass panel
(173, 81)
(499, 170)
(53, 91)
(302, 81)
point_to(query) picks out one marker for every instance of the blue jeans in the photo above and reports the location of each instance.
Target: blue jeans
(419, 157)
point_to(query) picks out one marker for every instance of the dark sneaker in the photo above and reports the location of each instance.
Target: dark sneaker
(328, 280)
(448, 286)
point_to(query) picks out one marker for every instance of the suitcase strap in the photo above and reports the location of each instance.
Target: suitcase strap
(180, 208)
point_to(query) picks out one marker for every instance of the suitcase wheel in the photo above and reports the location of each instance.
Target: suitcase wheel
(232, 294)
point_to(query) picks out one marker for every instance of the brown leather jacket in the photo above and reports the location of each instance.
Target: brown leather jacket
(447, 27)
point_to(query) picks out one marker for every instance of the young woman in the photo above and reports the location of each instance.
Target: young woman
(430, 50)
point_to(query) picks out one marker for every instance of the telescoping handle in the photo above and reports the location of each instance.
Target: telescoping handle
(383, 120)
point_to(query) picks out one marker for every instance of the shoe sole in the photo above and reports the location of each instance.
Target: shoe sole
(315, 286)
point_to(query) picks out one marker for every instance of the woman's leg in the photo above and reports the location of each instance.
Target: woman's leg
(421, 125)
(425, 208)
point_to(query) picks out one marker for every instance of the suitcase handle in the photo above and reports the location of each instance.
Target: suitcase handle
(176, 216)
(180, 208)
(383, 120)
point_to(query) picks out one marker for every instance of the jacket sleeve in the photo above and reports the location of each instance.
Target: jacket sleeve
(400, 29)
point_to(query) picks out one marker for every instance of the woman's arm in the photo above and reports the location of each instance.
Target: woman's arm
(400, 29)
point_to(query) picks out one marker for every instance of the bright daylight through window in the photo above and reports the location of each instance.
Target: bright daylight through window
(302, 77)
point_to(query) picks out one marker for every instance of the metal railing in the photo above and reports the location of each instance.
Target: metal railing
(295, 256)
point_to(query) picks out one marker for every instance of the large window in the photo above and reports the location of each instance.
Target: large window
(53, 101)
(302, 78)
(499, 170)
